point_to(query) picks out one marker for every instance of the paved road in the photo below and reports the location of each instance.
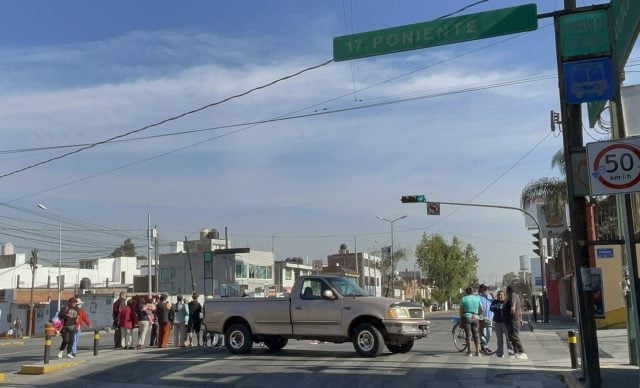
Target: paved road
(433, 362)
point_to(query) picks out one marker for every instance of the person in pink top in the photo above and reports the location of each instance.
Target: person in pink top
(127, 318)
(144, 313)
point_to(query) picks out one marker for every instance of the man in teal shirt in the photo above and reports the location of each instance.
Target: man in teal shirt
(470, 310)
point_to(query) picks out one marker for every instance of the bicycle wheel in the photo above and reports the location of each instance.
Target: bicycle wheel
(490, 347)
(459, 338)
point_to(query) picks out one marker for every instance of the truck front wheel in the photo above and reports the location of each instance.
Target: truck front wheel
(367, 340)
(275, 342)
(238, 338)
(402, 348)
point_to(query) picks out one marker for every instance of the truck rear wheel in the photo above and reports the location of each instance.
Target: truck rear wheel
(238, 338)
(367, 340)
(401, 348)
(275, 342)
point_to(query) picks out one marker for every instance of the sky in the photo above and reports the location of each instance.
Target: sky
(298, 167)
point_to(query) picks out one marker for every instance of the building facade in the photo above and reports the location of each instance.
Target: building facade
(366, 267)
(212, 268)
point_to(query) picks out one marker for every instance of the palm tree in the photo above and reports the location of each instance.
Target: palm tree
(552, 191)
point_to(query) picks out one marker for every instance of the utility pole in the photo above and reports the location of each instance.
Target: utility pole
(391, 285)
(573, 144)
(149, 252)
(33, 263)
(157, 256)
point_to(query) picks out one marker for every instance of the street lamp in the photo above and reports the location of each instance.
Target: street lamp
(41, 206)
(393, 265)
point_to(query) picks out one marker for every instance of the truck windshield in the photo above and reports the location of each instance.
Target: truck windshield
(347, 287)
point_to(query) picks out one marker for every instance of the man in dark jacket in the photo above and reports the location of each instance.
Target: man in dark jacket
(118, 306)
(163, 308)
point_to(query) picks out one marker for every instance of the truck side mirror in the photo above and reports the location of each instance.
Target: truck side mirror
(328, 294)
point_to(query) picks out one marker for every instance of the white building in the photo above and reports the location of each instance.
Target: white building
(216, 269)
(16, 281)
(366, 267)
(285, 273)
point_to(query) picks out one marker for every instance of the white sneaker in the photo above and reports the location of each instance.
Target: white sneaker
(60, 353)
(70, 355)
(522, 356)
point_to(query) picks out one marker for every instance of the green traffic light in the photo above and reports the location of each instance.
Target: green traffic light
(420, 198)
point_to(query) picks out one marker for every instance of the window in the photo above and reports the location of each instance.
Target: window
(312, 289)
(288, 274)
(241, 271)
(165, 274)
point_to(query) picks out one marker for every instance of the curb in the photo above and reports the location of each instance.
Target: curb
(47, 368)
(570, 380)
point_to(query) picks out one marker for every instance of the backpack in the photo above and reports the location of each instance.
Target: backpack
(140, 312)
(172, 314)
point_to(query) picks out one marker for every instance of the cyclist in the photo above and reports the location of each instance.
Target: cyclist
(470, 311)
(485, 328)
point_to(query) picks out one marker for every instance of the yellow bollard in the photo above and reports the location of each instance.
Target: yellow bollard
(96, 342)
(47, 346)
(571, 339)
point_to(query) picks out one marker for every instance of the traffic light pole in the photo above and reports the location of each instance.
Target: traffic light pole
(573, 143)
(543, 269)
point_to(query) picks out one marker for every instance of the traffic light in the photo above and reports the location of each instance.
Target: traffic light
(413, 198)
(536, 243)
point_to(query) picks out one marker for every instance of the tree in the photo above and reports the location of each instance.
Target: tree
(127, 249)
(553, 193)
(447, 267)
(384, 266)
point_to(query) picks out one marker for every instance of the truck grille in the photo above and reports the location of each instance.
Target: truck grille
(416, 313)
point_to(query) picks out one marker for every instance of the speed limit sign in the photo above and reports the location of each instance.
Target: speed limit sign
(614, 166)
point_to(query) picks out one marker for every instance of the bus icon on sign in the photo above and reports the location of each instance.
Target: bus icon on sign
(588, 80)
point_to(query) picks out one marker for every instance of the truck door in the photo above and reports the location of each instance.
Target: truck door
(312, 314)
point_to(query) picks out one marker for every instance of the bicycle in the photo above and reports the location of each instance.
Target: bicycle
(460, 336)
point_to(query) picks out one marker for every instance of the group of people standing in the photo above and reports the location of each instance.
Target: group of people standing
(157, 318)
(505, 312)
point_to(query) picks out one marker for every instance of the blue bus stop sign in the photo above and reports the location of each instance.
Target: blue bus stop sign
(588, 80)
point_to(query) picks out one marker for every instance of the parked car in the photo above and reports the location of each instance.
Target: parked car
(435, 307)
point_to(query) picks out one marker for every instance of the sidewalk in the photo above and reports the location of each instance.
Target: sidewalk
(615, 370)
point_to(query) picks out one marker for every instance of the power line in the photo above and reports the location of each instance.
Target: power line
(248, 125)
(173, 118)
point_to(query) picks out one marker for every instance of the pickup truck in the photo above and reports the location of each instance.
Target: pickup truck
(319, 307)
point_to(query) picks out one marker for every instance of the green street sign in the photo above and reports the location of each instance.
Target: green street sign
(584, 33)
(626, 22)
(436, 33)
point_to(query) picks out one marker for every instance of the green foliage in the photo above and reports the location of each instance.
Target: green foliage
(447, 267)
(399, 254)
(127, 249)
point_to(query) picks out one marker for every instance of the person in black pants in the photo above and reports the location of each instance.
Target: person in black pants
(513, 321)
(118, 306)
(154, 327)
(69, 317)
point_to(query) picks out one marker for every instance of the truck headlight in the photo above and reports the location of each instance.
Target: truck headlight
(397, 312)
